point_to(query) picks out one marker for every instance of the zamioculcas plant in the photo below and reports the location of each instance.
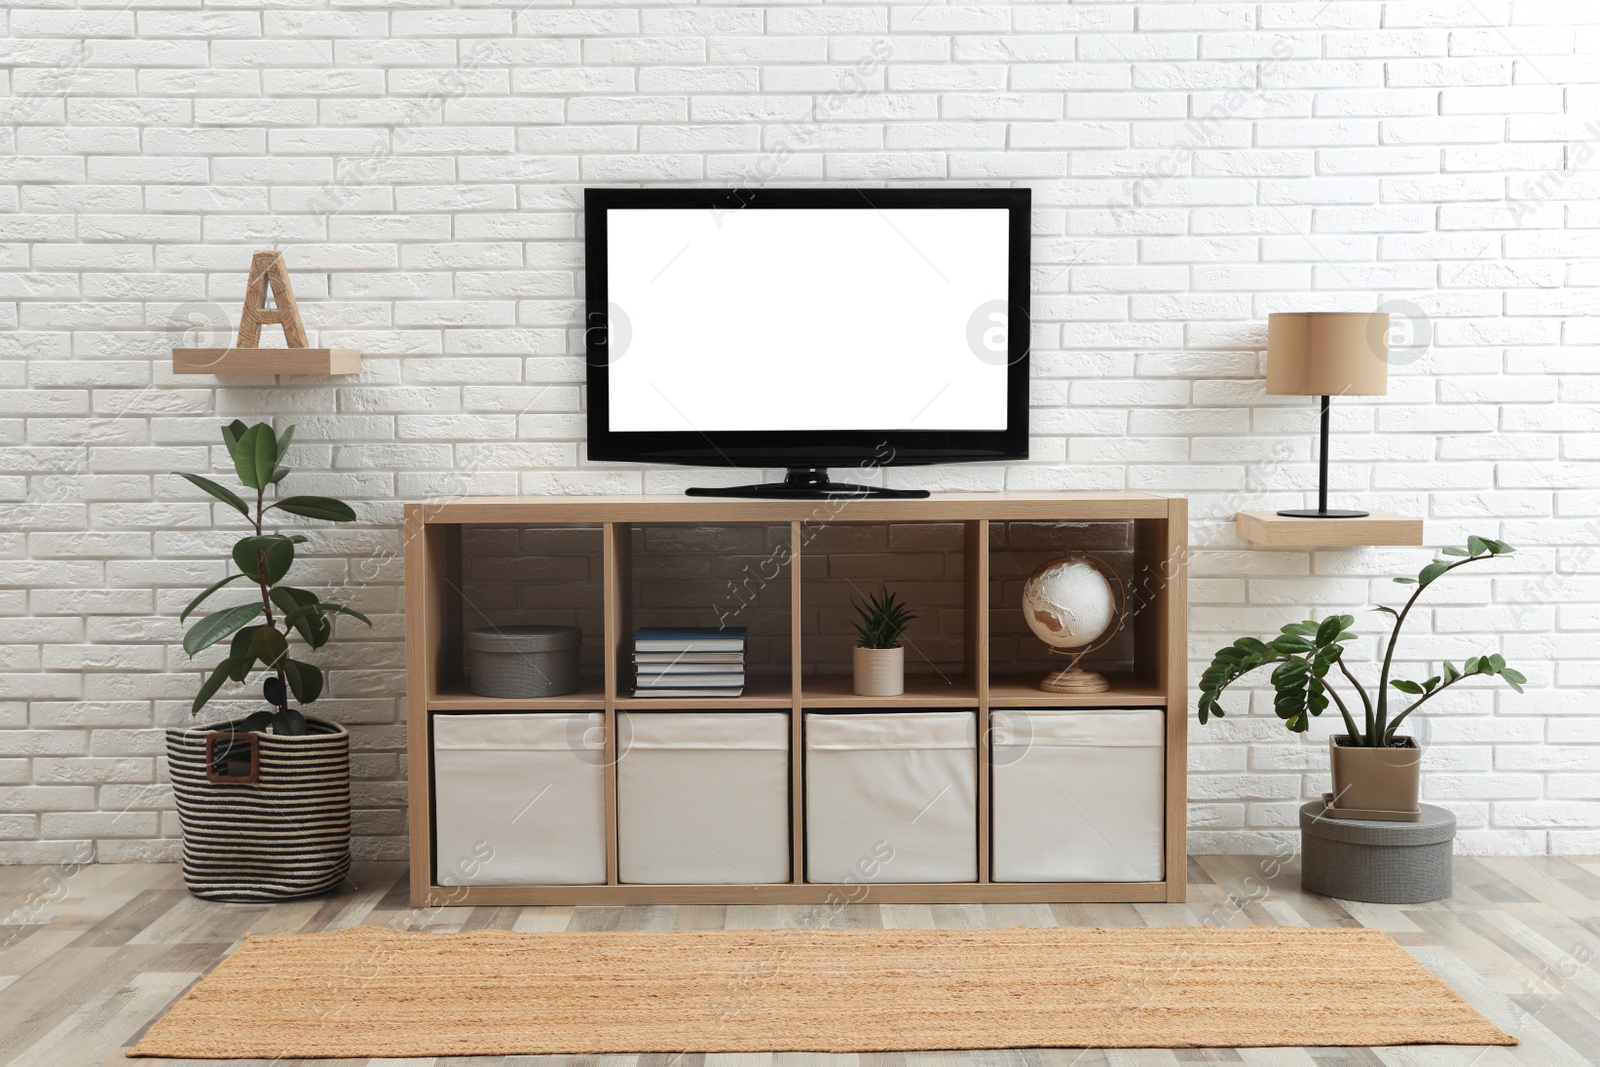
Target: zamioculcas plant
(258, 632)
(883, 620)
(1307, 652)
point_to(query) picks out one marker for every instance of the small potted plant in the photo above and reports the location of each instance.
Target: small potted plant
(264, 801)
(1375, 769)
(880, 659)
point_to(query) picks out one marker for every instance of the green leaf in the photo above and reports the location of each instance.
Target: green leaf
(1470, 666)
(1299, 694)
(1499, 548)
(214, 627)
(279, 475)
(1497, 662)
(1387, 610)
(289, 723)
(340, 609)
(208, 689)
(1454, 551)
(221, 492)
(269, 646)
(317, 507)
(309, 623)
(1511, 674)
(305, 680)
(1431, 571)
(255, 722)
(184, 617)
(1405, 581)
(1329, 630)
(301, 610)
(1450, 672)
(1407, 687)
(883, 619)
(1477, 546)
(1431, 684)
(255, 456)
(241, 655)
(279, 556)
(231, 434)
(283, 443)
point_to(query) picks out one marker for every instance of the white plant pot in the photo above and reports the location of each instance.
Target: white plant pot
(880, 672)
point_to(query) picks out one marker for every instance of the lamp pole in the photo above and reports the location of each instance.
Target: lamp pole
(1322, 462)
(1322, 510)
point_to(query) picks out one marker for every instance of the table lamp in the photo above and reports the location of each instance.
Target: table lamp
(1323, 353)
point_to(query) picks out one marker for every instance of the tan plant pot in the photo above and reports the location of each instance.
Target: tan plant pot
(880, 672)
(1375, 779)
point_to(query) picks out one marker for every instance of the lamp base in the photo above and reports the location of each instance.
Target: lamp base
(1315, 513)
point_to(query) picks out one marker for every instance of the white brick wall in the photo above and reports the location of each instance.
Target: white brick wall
(1195, 166)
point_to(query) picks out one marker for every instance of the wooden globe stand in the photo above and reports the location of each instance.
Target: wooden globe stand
(1071, 679)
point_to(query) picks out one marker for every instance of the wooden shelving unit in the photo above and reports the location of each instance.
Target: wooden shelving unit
(1283, 531)
(436, 621)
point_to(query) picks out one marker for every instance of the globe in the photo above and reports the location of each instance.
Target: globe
(1069, 603)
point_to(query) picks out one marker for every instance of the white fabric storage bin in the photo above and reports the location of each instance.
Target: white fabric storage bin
(891, 797)
(519, 799)
(703, 797)
(1077, 795)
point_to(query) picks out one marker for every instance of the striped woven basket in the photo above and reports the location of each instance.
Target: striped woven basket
(283, 836)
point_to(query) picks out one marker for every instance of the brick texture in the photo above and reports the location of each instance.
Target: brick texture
(1195, 166)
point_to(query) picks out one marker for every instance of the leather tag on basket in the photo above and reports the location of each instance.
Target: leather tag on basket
(233, 759)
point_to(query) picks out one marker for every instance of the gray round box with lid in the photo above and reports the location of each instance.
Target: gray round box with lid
(518, 662)
(1377, 862)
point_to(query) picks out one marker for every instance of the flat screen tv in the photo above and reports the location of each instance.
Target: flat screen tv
(807, 329)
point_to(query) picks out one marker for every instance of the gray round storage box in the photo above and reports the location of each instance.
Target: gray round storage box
(517, 662)
(1377, 862)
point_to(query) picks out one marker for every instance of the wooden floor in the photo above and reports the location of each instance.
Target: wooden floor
(89, 957)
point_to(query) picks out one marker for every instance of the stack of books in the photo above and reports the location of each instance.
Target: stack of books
(679, 661)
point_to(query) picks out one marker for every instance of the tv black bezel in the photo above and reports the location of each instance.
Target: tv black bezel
(806, 448)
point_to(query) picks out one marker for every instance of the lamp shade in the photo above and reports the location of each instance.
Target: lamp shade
(1328, 353)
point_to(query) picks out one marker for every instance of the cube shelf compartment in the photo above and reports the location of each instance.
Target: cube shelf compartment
(787, 570)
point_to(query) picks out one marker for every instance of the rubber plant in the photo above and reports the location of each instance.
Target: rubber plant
(883, 619)
(258, 632)
(1307, 653)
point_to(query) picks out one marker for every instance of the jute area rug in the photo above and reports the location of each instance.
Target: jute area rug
(372, 992)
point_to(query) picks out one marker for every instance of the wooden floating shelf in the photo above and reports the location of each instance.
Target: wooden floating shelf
(1281, 531)
(266, 361)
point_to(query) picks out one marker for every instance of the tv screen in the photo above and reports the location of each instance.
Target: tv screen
(803, 328)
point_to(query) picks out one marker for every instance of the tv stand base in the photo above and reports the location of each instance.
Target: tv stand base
(807, 483)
